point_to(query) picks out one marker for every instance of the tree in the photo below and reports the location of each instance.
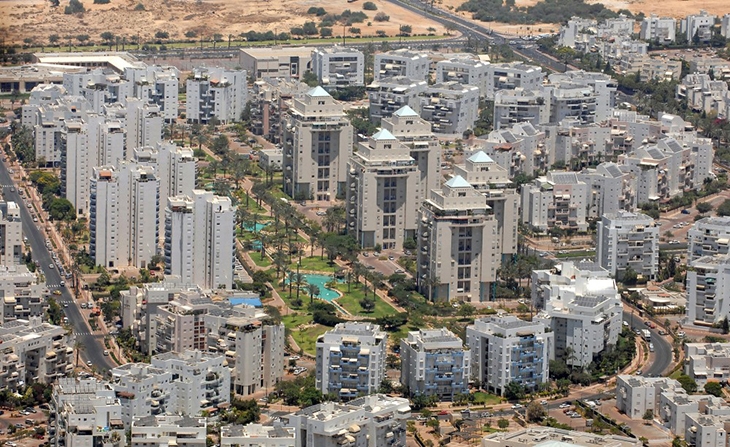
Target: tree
(220, 145)
(61, 209)
(724, 208)
(713, 388)
(369, 6)
(648, 415)
(162, 34)
(381, 17)
(704, 207)
(503, 423)
(514, 391)
(325, 32)
(310, 28)
(74, 7)
(107, 37)
(535, 411)
(688, 383)
(53, 39)
(313, 290)
(406, 30)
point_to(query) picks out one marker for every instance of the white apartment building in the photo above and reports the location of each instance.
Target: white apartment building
(584, 96)
(257, 435)
(284, 62)
(707, 362)
(505, 349)
(458, 244)
(612, 186)
(317, 145)
(339, 67)
(628, 240)
(513, 107)
(215, 92)
(519, 148)
(658, 29)
(143, 390)
(166, 431)
(651, 67)
(702, 93)
(574, 31)
(201, 381)
(547, 436)
(143, 123)
(123, 215)
(401, 62)
(511, 76)
(11, 234)
(199, 239)
(388, 95)
(369, 421)
(179, 325)
(707, 237)
(450, 107)
(22, 294)
(637, 394)
(725, 25)
(464, 71)
(434, 362)
(382, 193)
(351, 359)
(706, 430)
(33, 351)
(157, 85)
(88, 414)
(254, 350)
(675, 405)
(698, 25)
(708, 298)
(582, 307)
(558, 199)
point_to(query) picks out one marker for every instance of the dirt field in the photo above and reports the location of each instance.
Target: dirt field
(37, 19)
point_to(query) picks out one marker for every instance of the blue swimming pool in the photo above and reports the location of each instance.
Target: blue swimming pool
(255, 302)
(255, 228)
(325, 293)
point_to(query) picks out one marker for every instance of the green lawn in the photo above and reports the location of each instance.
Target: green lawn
(307, 338)
(486, 399)
(261, 261)
(253, 207)
(577, 254)
(293, 320)
(313, 263)
(351, 302)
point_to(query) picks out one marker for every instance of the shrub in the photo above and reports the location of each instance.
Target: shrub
(325, 32)
(191, 34)
(381, 17)
(162, 35)
(369, 6)
(316, 11)
(101, 2)
(74, 7)
(139, 7)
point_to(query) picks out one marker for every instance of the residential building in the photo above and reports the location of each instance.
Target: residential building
(257, 435)
(708, 279)
(557, 199)
(434, 362)
(582, 307)
(158, 85)
(637, 394)
(179, 325)
(199, 235)
(612, 189)
(546, 436)
(706, 430)
(87, 414)
(387, 95)
(511, 76)
(703, 93)
(165, 431)
(143, 390)
(503, 201)
(22, 294)
(337, 67)
(381, 194)
(466, 71)
(401, 62)
(369, 421)
(78, 156)
(518, 148)
(706, 362)
(698, 26)
(505, 349)
(414, 132)
(707, 237)
(11, 234)
(725, 25)
(584, 96)
(201, 381)
(317, 145)
(575, 30)
(271, 159)
(658, 29)
(450, 107)
(651, 67)
(124, 215)
(33, 351)
(351, 359)
(253, 347)
(281, 62)
(459, 248)
(515, 106)
(215, 92)
(628, 241)
(143, 124)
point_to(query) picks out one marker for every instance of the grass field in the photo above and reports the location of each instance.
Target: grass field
(486, 399)
(314, 263)
(351, 302)
(261, 261)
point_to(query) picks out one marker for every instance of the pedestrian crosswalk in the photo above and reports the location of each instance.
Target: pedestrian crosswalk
(8, 186)
(54, 286)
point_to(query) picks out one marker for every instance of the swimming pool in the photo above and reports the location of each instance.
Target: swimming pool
(255, 228)
(325, 293)
(255, 302)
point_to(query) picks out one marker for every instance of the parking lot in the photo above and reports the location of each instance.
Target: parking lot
(25, 423)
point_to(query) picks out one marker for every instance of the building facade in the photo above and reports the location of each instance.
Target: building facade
(628, 241)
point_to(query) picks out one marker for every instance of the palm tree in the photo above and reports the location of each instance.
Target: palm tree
(78, 347)
(280, 261)
(299, 282)
(313, 290)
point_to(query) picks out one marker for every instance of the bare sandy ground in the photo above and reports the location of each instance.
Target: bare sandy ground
(20, 19)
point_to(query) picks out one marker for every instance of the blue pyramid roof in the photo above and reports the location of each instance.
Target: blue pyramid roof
(405, 111)
(383, 134)
(318, 91)
(481, 157)
(458, 181)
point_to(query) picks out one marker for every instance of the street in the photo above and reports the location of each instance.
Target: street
(660, 359)
(93, 345)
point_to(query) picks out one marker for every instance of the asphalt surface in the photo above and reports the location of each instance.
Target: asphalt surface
(93, 344)
(662, 349)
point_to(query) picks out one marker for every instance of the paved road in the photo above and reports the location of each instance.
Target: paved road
(93, 344)
(662, 355)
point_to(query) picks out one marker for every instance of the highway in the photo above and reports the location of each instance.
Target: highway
(93, 345)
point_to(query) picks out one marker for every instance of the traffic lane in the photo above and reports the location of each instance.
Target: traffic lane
(662, 349)
(93, 348)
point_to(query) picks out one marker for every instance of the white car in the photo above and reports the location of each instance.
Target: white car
(516, 406)
(564, 405)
